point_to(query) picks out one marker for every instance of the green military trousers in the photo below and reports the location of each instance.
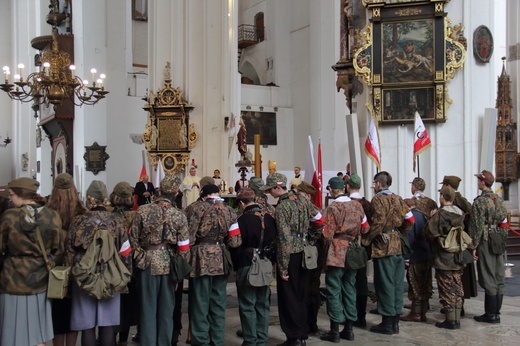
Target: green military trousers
(491, 270)
(158, 301)
(207, 309)
(341, 294)
(389, 284)
(253, 306)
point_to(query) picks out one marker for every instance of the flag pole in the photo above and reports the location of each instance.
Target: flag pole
(418, 167)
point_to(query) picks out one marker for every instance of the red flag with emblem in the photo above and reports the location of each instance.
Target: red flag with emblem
(421, 139)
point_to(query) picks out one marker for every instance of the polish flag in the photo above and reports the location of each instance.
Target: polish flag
(372, 147)
(159, 173)
(421, 139)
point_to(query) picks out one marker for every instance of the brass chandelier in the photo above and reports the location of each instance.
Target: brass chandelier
(54, 82)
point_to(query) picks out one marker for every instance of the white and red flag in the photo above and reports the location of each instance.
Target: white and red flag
(421, 139)
(372, 147)
(314, 176)
(159, 173)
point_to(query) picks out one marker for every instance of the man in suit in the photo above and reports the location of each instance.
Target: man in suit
(144, 191)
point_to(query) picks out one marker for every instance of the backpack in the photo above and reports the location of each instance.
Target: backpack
(101, 273)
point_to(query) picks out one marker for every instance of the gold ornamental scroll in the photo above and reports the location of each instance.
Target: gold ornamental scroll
(258, 157)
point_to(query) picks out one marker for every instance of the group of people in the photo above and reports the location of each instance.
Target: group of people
(216, 239)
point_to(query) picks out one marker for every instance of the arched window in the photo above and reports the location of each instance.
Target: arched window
(259, 25)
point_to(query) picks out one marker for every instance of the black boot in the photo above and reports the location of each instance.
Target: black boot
(490, 308)
(395, 324)
(347, 332)
(500, 298)
(361, 304)
(333, 334)
(385, 327)
(449, 323)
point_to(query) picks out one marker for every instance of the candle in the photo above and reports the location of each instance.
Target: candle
(16, 78)
(21, 66)
(72, 70)
(46, 66)
(93, 71)
(85, 83)
(6, 73)
(99, 82)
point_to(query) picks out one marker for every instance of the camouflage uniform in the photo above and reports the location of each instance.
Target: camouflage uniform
(447, 272)
(156, 227)
(489, 215)
(24, 274)
(213, 227)
(293, 215)
(390, 217)
(345, 220)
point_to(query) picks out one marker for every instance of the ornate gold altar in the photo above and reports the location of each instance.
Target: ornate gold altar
(169, 136)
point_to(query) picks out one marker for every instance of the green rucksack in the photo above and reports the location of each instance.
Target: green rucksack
(101, 273)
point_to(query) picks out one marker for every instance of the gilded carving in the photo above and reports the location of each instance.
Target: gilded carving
(408, 12)
(363, 56)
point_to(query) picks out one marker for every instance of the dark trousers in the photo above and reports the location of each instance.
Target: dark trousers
(292, 295)
(491, 270)
(389, 284)
(177, 311)
(341, 294)
(156, 292)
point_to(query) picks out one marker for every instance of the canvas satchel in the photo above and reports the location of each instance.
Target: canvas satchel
(457, 240)
(356, 257)
(310, 255)
(261, 270)
(58, 282)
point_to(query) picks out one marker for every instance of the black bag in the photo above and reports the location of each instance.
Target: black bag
(463, 257)
(179, 267)
(356, 257)
(228, 262)
(497, 243)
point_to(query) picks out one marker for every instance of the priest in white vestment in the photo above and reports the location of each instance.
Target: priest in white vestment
(190, 187)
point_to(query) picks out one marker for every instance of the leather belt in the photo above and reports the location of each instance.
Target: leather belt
(160, 246)
(207, 242)
(343, 236)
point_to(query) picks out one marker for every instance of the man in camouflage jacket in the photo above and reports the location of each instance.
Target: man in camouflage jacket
(390, 218)
(488, 219)
(213, 228)
(157, 229)
(293, 215)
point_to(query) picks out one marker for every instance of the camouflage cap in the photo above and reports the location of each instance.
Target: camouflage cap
(206, 181)
(123, 190)
(97, 190)
(63, 181)
(256, 183)
(273, 180)
(245, 193)
(336, 183)
(451, 180)
(306, 187)
(448, 193)
(4, 192)
(24, 183)
(170, 184)
(486, 176)
(354, 181)
(419, 183)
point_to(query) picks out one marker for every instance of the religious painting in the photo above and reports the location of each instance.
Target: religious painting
(262, 123)
(401, 104)
(408, 52)
(483, 44)
(406, 55)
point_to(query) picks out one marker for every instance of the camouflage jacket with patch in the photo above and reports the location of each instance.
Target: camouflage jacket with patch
(488, 215)
(212, 226)
(296, 218)
(82, 232)
(156, 223)
(390, 216)
(438, 226)
(344, 221)
(24, 269)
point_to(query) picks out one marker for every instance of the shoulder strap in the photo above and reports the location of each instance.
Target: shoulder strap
(261, 215)
(42, 248)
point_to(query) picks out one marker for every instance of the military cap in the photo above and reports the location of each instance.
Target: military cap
(336, 183)
(4, 191)
(97, 190)
(123, 190)
(273, 180)
(419, 183)
(451, 180)
(354, 181)
(24, 183)
(64, 181)
(245, 193)
(206, 181)
(170, 184)
(486, 176)
(256, 183)
(306, 187)
(448, 193)
(208, 190)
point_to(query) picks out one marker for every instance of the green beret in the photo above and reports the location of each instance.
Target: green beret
(123, 190)
(63, 181)
(336, 183)
(24, 183)
(97, 190)
(354, 181)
